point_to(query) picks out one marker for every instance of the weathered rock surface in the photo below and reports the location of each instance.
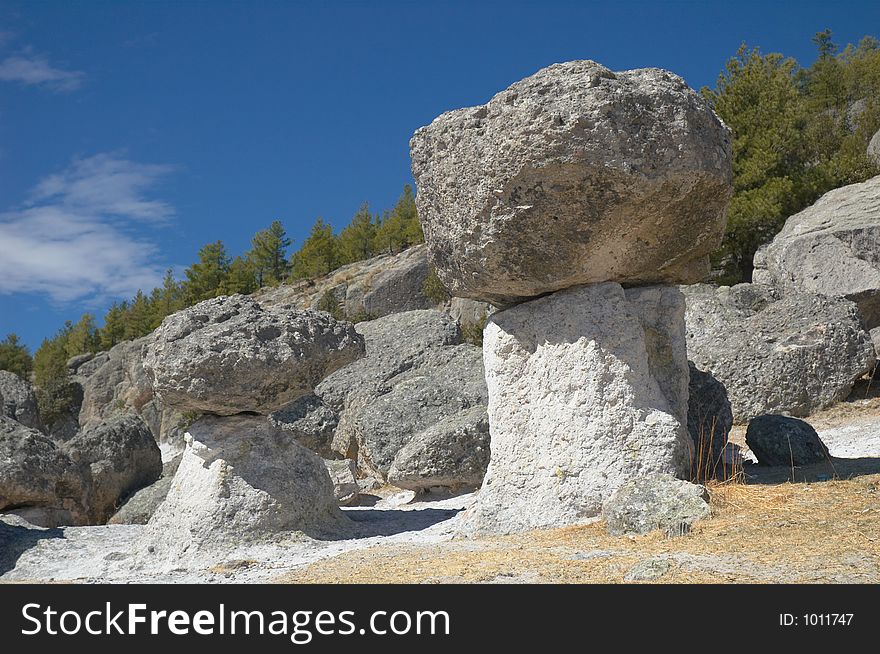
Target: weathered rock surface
(831, 248)
(709, 419)
(415, 404)
(587, 390)
(140, 507)
(343, 474)
(783, 441)
(614, 176)
(114, 383)
(229, 355)
(310, 422)
(376, 287)
(452, 453)
(36, 474)
(118, 457)
(18, 401)
(656, 501)
(790, 353)
(240, 480)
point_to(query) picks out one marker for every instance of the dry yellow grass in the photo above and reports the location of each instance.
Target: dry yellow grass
(826, 532)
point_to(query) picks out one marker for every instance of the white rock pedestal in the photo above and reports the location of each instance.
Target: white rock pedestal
(588, 388)
(241, 481)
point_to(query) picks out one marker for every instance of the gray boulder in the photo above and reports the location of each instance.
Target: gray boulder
(830, 248)
(452, 453)
(343, 474)
(36, 474)
(140, 506)
(74, 363)
(709, 420)
(874, 148)
(656, 501)
(614, 176)
(790, 353)
(240, 481)
(229, 355)
(114, 383)
(18, 401)
(415, 404)
(783, 441)
(310, 422)
(118, 457)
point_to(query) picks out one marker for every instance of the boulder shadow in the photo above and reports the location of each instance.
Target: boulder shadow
(388, 522)
(833, 468)
(16, 540)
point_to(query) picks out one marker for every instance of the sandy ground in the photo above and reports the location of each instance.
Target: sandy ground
(822, 527)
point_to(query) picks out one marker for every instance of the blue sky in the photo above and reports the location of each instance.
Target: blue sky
(132, 133)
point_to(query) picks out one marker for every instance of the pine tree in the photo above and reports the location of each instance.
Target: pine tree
(167, 299)
(268, 255)
(318, 254)
(205, 278)
(83, 337)
(138, 320)
(113, 331)
(15, 357)
(357, 240)
(241, 278)
(400, 228)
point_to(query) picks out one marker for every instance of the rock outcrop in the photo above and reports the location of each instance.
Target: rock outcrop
(369, 289)
(623, 176)
(140, 506)
(38, 477)
(114, 383)
(310, 422)
(783, 441)
(413, 410)
(831, 248)
(587, 390)
(240, 480)
(117, 457)
(657, 501)
(791, 352)
(18, 401)
(230, 355)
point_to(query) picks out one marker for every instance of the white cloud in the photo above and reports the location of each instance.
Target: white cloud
(81, 234)
(35, 70)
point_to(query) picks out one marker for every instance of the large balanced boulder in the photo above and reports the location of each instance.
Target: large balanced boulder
(791, 352)
(784, 441)
(118, 456)
(587, 389)
(230, 355)
(831, 248)
(413, 410)
(18, 401)
(574, 175)
(36, 474)
(241, 480)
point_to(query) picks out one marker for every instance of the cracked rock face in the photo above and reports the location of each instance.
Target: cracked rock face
(791, 352)
(230, 355)
(587, 389)
(830, 248)
(17, 400)
(574, 175)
